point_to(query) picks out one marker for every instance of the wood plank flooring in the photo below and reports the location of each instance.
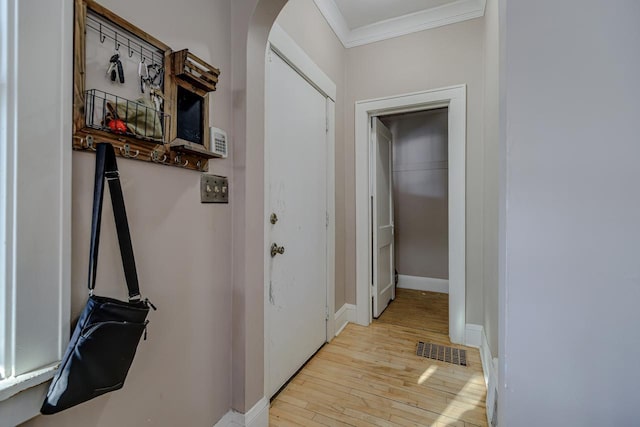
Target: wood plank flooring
(427, 311)
(370, 376)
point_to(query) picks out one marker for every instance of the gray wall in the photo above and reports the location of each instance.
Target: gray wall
(570, 280)
(420, 193)
(491, 175)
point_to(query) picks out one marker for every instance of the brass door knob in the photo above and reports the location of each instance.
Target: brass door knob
(275, 250)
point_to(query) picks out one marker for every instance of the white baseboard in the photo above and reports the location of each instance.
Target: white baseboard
(473, 335)
(476, 337)
(346, 314)
(231, 419)
(257, 416)
(428, 284)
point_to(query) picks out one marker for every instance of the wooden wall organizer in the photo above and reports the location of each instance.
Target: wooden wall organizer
(192, 70)
(137, 129)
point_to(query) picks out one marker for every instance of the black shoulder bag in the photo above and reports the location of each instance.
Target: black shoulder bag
(108, 331)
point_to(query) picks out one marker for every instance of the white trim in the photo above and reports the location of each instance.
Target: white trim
(257, 416)
(14, 385)
(476, 337)
(335, 19)
(446, 14)
(285, 47)
(331, 223)
(428, 284)
(455, 99)
(23, 406)
(346, 314)
(231, 419)
(297, 58)
(473, 335)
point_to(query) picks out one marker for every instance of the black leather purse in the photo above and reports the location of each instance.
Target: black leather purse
(108, 331)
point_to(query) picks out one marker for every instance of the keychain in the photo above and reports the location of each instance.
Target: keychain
(143, 72)
(115, 71)
(157, 98)
(155, 79)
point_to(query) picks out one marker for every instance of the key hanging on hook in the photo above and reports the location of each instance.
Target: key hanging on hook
(143, 72)
(115, 70)
(112, 71)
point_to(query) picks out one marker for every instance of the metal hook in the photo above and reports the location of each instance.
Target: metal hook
(129, 46)
(153, 59)
(142, 54)
(102, 36)
(125, 151)
(155, 157)
(178, 159)
(116, 41)
(90, 145)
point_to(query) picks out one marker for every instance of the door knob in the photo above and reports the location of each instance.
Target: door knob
(275, 250)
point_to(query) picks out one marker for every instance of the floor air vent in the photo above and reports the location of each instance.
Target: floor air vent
(442, 353)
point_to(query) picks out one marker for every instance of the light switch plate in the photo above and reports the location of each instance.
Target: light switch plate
(214, 189)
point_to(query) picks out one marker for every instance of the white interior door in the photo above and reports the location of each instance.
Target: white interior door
(382, 217)
(296, 220)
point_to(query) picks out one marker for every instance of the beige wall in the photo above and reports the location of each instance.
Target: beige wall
(429, 59)
(181, 374)
(211, 301)
(302, 20)
(251, 21)
(440, 57)
(420, 193)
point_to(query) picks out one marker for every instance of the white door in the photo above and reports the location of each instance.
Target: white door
(297, 202)
(382, 217)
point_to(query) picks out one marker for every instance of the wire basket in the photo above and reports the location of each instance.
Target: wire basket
(118, 115)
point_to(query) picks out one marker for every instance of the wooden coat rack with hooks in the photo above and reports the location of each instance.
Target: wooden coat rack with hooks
(131, 139)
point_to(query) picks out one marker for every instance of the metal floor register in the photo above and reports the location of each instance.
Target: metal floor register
(442, 353)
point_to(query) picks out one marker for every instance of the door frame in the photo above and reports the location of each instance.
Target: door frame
(285, 47)
(455, 98)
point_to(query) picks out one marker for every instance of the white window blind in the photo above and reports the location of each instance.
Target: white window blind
(35, 188)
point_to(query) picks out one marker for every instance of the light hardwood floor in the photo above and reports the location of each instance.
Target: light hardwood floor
(370, 376)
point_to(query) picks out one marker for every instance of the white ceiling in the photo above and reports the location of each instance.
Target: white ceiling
(359, 13)
(358, 22)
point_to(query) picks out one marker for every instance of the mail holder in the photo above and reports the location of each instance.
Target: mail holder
(195, 79)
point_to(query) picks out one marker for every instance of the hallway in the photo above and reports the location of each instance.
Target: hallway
(371, 375)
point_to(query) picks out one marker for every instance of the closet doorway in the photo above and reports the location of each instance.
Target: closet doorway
(419, 210)
(427, 171)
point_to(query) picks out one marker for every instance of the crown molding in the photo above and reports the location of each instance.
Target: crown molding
(451, 13)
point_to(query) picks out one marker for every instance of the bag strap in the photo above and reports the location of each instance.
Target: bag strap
(107, 168)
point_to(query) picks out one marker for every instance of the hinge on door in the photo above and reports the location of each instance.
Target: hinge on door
(326, 313)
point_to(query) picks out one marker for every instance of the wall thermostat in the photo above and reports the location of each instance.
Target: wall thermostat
(219, 142)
